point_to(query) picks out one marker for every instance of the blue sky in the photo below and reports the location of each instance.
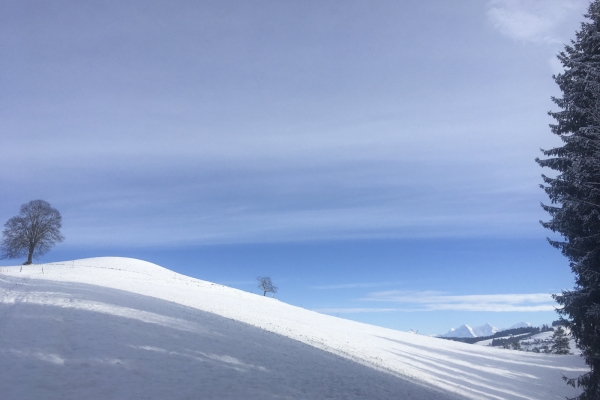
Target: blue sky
(376, 159)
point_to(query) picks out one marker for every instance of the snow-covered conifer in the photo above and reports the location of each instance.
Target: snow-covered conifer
(575, 192)
(561, 342)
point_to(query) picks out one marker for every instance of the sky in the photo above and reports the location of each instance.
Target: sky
(376, 159)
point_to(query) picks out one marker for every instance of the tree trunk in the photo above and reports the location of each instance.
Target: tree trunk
(29, 257)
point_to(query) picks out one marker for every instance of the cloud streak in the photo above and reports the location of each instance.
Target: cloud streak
(353, 285)
(303, 135)
(439, 301)
(356, 310)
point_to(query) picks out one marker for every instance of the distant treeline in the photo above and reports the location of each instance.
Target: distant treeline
(530, 331)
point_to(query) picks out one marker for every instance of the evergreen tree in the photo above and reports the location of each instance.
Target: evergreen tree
(575, 192)
(561, 342)
(516, 345)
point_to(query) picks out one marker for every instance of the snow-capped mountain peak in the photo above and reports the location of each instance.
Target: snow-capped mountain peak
(521, 324)
(465, 331)
(485, 330)
(462, 331)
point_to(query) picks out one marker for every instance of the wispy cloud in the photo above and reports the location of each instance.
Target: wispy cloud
(439, 301)
(532, 20)
(355, 310)
(354, 285)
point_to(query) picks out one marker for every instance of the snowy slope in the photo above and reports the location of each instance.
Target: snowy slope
(488, 342)
(545, 336)
(123, 328)
(531, 342)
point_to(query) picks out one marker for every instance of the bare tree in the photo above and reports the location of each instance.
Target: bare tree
(33, 232)
(264, 283)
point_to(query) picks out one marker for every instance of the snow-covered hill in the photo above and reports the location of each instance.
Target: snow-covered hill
(114, 328)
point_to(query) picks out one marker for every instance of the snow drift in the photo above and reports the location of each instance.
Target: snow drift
(124, 328)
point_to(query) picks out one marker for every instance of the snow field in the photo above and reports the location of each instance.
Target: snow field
(420, 364)
(76, 341)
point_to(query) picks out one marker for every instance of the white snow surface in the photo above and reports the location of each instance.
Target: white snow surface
(118, 328)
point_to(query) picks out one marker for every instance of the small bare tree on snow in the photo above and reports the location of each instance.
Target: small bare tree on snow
(32, 233)
(264, 283)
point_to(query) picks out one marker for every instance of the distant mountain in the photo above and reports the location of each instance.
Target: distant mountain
(464, 331)
(520, 325)
(485, 330)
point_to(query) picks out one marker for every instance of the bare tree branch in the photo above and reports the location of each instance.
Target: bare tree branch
(32, 233)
